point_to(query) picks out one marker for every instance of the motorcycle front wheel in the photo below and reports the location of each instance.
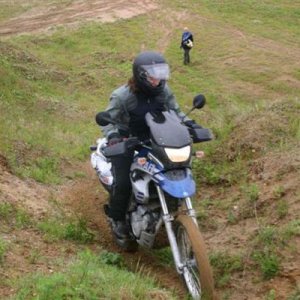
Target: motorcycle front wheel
(197, 273)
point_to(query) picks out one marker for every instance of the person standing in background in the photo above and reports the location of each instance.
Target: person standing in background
(187, 43)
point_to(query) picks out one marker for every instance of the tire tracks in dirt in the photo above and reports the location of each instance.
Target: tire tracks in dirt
(43, 18)
(85, 198)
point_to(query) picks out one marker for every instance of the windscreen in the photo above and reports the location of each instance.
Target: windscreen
(167, 131)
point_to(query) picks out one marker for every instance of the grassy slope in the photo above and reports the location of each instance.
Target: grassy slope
(245, 60)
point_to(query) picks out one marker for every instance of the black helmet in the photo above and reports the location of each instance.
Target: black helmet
(150, 64)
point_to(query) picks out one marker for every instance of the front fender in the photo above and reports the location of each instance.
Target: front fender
(178, 185)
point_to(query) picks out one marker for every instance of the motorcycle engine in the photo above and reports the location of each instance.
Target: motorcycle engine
(143, 220)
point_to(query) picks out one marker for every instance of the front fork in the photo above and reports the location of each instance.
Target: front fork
(168, 220)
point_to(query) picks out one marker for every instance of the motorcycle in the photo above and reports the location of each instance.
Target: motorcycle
(162, 187)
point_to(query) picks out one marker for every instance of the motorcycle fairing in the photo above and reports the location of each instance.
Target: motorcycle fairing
(167, 130)
(140, 188)
(182, 187)
(140, 182)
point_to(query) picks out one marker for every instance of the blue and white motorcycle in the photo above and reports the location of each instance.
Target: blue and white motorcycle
(162, 187)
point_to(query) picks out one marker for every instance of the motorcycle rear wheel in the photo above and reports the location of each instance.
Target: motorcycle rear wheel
(197, 273)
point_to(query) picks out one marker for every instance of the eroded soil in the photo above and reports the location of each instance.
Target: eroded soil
(85, 196)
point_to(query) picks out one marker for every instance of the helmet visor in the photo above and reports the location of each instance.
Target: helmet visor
(157, 71)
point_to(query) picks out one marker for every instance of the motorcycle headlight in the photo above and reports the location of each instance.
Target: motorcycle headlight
(179, 154)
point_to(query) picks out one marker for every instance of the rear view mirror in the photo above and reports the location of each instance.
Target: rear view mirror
(103, 118)
(199, 101)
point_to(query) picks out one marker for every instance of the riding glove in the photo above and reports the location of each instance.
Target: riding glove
(192, 124)
(114, 138)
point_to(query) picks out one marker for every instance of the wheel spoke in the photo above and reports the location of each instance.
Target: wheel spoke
(187, 257)
(193, 284)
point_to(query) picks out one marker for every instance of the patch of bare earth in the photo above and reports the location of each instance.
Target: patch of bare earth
(27, 251)
(271, 170)
(29, 194)
(86, 198)
(48, 17)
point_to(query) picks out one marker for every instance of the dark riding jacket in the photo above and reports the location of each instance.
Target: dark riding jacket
(129, 109)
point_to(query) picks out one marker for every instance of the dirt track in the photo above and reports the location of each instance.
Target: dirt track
(83, 197)
(48, 17)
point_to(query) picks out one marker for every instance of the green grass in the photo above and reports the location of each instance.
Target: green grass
(15, 217)
(245, 61)
(6, 210)
(295, 295)
(110, 258)
(282, 208)
(64, 79)
(165, 256)
(66, 228)
(269, 244)
(224, 265)
(90, 277)
(3, 249)
(11, 9)
(251, 192)
(291, 229)
(225, 173)
(62, 94)
(269, 263)
(272, 19)
(271, 295)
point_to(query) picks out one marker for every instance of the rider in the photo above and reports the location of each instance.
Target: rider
(146, 91)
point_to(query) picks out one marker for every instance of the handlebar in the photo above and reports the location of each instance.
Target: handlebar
(199, 135)
(122, 147)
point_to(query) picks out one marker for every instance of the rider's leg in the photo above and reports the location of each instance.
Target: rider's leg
(120, 194)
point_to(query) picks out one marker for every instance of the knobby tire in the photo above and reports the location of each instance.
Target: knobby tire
(199, 249)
